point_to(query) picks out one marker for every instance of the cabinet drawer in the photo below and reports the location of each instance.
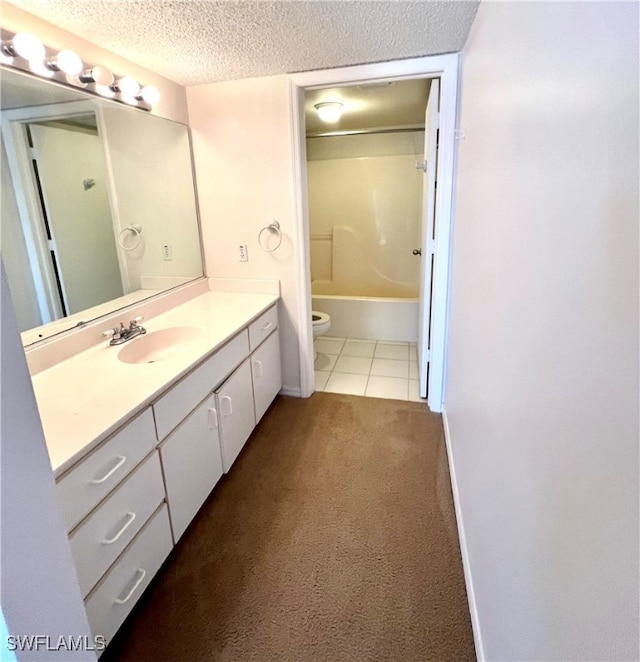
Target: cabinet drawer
(192, 464)
(266, 372)
(114, 597)
(98, 541)
(263, 326)
(174, 406)
(85, 485)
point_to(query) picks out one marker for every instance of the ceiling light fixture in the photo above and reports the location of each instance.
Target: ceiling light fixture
(329, 111)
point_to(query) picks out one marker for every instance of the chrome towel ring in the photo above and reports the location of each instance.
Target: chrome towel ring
(273, 228)
(136, 230)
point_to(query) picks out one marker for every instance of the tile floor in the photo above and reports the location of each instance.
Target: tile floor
(378, 369)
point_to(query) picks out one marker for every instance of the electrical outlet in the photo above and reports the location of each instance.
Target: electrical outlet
(242, 253)
(167, 252)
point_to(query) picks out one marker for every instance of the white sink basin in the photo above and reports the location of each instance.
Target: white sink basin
(160, 345)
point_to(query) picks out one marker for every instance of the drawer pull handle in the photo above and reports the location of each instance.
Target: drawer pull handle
(213, 419)
(121, 460)
(130, 518)
(228, 399)
(143, 574)
(267, 326)
(258, 365)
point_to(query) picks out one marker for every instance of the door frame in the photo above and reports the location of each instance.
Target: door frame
(445, 67)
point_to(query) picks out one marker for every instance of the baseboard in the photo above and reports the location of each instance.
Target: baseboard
(473, 611)
(291, 390)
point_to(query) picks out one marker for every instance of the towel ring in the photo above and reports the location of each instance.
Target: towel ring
(275, 229)
(137, 230)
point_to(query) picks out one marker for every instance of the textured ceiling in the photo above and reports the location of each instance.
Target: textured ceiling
(198, 41)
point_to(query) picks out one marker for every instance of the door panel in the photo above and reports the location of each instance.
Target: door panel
(428, 233)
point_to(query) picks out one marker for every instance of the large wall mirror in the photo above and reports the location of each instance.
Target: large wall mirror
(98, 205)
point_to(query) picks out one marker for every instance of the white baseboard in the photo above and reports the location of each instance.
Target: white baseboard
(291, 390)
(473, 611)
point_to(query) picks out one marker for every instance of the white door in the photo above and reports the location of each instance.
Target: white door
(428, 235)
(75, 206)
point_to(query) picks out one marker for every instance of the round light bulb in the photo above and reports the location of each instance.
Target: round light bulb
(329, 111)
(68, 62)
(98, 74)
(150, 94)
(28, 46)
(128, 86)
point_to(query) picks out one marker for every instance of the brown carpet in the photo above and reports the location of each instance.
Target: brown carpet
(333, 538)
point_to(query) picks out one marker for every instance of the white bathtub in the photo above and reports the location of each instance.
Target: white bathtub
(370, 318)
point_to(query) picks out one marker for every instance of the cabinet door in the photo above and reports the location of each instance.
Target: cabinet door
(267, 377)
(236, 412)
(192, 464)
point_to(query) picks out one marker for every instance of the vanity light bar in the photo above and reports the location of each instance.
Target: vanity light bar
(24, 51)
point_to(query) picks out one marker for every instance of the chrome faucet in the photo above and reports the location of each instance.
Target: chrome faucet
(121, 334)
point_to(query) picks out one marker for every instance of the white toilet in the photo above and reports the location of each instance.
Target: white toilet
(321, 324)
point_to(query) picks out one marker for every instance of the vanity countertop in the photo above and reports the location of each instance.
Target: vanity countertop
(85, 398)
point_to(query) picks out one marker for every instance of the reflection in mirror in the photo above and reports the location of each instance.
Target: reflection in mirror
(98, 205)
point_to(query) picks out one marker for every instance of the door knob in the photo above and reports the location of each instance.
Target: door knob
(417, 251)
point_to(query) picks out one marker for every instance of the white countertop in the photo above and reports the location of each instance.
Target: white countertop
(87, 397)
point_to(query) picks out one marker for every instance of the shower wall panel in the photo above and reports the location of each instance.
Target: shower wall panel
(365, 215)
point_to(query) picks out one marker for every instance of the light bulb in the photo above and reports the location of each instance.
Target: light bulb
(150, 94)
(329, 111)
(27, 45)
(127, 86)
(98, 74)
(66, 61)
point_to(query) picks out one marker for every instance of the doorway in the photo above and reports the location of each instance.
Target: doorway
(444, 68)
(365, 183)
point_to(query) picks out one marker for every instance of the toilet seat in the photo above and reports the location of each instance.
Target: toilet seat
(321, 322)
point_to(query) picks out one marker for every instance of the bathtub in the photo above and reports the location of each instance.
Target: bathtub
(370, 318)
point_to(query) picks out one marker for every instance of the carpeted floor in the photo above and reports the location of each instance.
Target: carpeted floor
(332, 539)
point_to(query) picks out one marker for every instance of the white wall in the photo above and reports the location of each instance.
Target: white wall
(243, 155)
(38, 584)
(542, 380)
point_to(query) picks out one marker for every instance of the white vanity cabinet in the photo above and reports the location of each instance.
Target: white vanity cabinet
(129, 500)
(192, 464)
